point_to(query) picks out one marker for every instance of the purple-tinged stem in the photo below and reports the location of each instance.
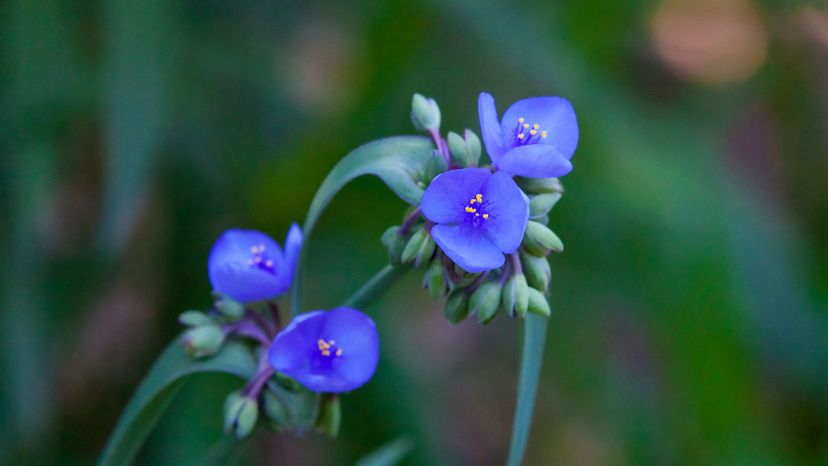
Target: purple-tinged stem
(516, 265)
(409, 221)
(247, 329)
(260, 321)
(274, 313)
(255, 385)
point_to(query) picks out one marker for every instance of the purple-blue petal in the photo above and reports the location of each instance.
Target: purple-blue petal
(467, 247)
(232, 274)
(294, 351)
(535, 161)
(446, 196)
(293, 249)
(489, 126)
(555, 115)
(508, 209)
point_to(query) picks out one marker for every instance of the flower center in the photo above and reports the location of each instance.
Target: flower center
(328, 348)
(476, 209)
(260, 258)
(524, 133)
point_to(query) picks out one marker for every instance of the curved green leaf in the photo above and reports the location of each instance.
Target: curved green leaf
(159, 387)
(398, 161)
(387, 455)
(534, 338)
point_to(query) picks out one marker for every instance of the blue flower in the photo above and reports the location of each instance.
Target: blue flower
(536, 137)
(478, 216)
(327, 351)
(249, 266)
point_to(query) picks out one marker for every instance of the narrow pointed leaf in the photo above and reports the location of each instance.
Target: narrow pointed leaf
(158, 389)
(387, 455)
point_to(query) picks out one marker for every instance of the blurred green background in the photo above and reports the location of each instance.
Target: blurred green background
(690, 307)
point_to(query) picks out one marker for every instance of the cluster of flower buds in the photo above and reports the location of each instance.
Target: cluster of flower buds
(481, 232)
(317, 352)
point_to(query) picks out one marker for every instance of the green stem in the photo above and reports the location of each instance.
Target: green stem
(374, 287)
(534, 336)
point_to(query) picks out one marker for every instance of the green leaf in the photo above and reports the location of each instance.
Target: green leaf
(534, 337)
(159, 387)
(398, 161)
(389, 454)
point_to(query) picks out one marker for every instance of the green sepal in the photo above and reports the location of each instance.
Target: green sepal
(395, 244)
(464, 150)
(229, 306)
(539, 185)
(412, 247)
(537, 271)
(515, 296)
(538, 303)
(485, 302)
(435, 280)
(203, 340)
(539, 239)
(426, 251)
(240, 415)
(541, 204)
(457, 306)
(425, 113)
(194, 318)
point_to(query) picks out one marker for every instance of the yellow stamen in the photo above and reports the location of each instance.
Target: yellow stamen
(526, 125)
(543, 134)
(326, 353)
(470, 210)
(533, 132)
(536, 126)
(520, 136)
(521, 120)
(479, 198)
(485, 216)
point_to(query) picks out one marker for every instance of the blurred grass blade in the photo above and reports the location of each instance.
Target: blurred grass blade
(375, 286)
(534, 338)
(137, 60)
(398, 161)
(159, 388)
(389, 454)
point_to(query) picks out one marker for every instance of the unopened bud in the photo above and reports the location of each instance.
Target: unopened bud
(240, 415)
(395, 244)
(425, 113)
(194, 318)
(413, 246)
(485, 301)
(426, 251)
(541, 204)
(539, 185)
(203, 340)
(465, 150)
(435, 280)
(539, 239)
(457, 306)
(538, 303)
(229, 307)
(537, 271)
(515, 297)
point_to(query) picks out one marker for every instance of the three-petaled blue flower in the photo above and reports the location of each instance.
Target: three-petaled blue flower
(327, 351)
(536, 137)
(249, 266)
(478, 216)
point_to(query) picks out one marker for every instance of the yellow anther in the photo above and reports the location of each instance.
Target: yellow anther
(339, 352)
(485, 216)
(326, 353)
(533, 132)
(520, 136)
(543, 134)
(479, 198)
(472, 201)
(470, 210)
(526, 125)
(521, 120)
(536, 126)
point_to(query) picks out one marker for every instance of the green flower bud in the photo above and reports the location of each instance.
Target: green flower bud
(515, 296)
(457, 306)
(485, 301)
(436, 165)
(544, 220)
(426, 251)
(275, 411)
(412, 248)
(538, 303)
(539, 239)
(330, 416)
(536, 270)
(229, 307)
(240, 415)
(203, 340)
(541, 204)
(194, 318)
(539, 185)
(425, 114)
(395, 244)
(465, 150)
(435, 280)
